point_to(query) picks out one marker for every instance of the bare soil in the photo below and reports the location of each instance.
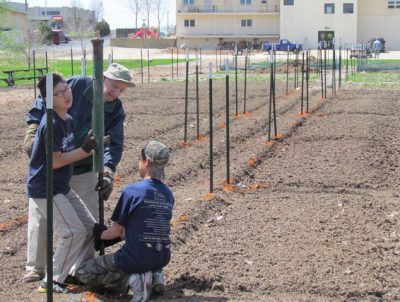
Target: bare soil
(311, 216)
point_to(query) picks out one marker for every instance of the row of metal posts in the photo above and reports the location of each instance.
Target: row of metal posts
(272, 107)
(305, 70)
(98, 122)
(197, 89)
(357, 63)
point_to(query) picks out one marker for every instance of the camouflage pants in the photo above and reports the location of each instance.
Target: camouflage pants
(103, 271)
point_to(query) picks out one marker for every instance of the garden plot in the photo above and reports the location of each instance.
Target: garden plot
(312, 216)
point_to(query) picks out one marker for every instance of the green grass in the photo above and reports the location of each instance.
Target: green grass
(64, 67)
(376, 79)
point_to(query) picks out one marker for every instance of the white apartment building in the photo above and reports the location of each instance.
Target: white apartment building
(207, 22)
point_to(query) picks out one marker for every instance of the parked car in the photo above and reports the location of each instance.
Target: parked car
(283, 45)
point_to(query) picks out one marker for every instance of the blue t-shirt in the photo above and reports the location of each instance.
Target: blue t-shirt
(81, 112)
(63, 137)
(145, 210)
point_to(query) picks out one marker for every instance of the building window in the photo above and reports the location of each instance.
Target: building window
(288, 2)
(245, 2)
(188, 2)
(348, 8)
(393, 3)
(246, 23)
(189, 23)
(329, 8)
(53, 12)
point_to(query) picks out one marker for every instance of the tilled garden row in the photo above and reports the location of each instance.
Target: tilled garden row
(258, 238)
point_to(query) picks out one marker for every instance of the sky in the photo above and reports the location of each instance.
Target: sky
(116, 13)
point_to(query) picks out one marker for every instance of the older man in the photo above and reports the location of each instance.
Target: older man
(117, 78)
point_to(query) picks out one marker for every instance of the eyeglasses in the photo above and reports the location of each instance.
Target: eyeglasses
(61, 93)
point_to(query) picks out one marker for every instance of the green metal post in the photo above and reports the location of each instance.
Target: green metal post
(186, 96)
(340, 67)
(201, 68)
(210, 91)
(274, 90)
(245, 83)
(72, 63)
(227, 121)
(172, 63)
(177, 62)
(216, 59)
(321, 71)
(141, 58)
(325, 73)
(302, 83)
(287, 70)
(236, 81)
(307, 77)
(98, 119)
(197, 97)
(270, 95)
(47, 62)
(34, 72)
(334, 71)
(148, 64)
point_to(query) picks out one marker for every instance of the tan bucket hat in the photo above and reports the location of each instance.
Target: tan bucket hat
(118, 72)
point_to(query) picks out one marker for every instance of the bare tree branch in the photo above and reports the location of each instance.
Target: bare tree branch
(161, 7)
(147, 7)
(82, 26)
(97, 7)
(135, 8)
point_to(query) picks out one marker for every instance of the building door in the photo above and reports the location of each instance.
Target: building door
(326, 37)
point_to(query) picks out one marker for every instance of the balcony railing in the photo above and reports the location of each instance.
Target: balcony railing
(226, 34)
(217, 9)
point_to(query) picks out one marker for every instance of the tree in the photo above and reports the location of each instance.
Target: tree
(135, 7)
(103, 28)
(3, 7)
(160, 10)
(147, 7)
(97, 7)
(82, 26)
(36, 34)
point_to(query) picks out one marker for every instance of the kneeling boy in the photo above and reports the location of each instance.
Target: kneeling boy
(144, 212)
